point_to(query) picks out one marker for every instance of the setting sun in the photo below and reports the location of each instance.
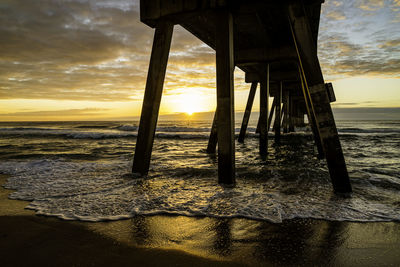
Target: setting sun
(190, 102)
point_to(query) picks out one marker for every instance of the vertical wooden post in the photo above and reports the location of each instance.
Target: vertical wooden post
(225, 104)
(283, 111)
(152, 97)
(264, 93)
(258, 124)
(212, 142)
(311, 117)
(277, 126)
(315, 88)
(247, 112)
(271, 113)
(298, 114)
(286, 108)
(291, 113)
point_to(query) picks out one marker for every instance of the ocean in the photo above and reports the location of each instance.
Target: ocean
(81, 171)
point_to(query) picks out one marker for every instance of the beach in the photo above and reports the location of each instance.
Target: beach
(28, 240)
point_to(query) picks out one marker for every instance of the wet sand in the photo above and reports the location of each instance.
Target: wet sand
(27, 239)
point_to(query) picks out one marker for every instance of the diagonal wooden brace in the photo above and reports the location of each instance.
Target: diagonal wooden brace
(319, 101)
(152, 96)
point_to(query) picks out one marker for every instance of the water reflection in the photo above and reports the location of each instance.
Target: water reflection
(222, 244)
(140, 231)
(293, 242)
(332, 238)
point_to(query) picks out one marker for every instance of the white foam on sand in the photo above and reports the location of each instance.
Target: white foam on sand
(97, 191)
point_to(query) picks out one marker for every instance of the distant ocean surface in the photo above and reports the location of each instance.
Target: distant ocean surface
(81, 171)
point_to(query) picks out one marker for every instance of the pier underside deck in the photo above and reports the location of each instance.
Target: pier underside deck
(275, 44)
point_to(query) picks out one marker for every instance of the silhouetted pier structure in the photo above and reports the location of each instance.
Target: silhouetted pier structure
(275, 44)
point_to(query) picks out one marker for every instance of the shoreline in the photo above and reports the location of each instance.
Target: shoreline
(29, 239)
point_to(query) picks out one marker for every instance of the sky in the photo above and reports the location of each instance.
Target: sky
(88, 60)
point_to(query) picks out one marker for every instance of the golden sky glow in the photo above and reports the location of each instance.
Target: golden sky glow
(88, 60)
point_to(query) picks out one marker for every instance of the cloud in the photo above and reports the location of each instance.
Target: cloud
(339, 56)
(99, 50)
(336, 15)
(85, 50)
(391, 44)
(370, 5)
(57, 113)
(365, 43)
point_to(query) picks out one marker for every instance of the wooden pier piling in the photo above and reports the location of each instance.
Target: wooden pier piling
(264, 95)
(271, 114)
(315, 87)
(286, 107)
(277, 125)
(247, 112)
(152, 96)
(225, 99)
(213, 140)
(291, 112)
(250, 35)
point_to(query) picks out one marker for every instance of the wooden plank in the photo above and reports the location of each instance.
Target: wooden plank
(331, 92)
(251, 77)
(315, 87)
(171, 7)
(265, 54)
(150, 12)
(213, 140)
(264, 93)
(225, 97)
(152, 97)
(190, 5)
(247, 112)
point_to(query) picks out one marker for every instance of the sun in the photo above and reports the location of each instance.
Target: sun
(190, 103)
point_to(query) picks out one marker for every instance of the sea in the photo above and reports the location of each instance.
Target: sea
(82, 171)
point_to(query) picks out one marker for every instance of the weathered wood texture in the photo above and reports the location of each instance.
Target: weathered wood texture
(213, 140)
(247, 112)
(315, 87)
(271, 113)
(225, 97)
(286, 108)
(257, 40)
(264, 95)
(275, 76)
(152, 97)
(298, 113)
(291, 113)
(331, 92)
(311, 116)
(277, 124)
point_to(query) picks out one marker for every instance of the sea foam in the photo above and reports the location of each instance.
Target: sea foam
(103, 191)
(81, 171)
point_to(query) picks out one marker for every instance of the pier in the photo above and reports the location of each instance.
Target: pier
(275, 44)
